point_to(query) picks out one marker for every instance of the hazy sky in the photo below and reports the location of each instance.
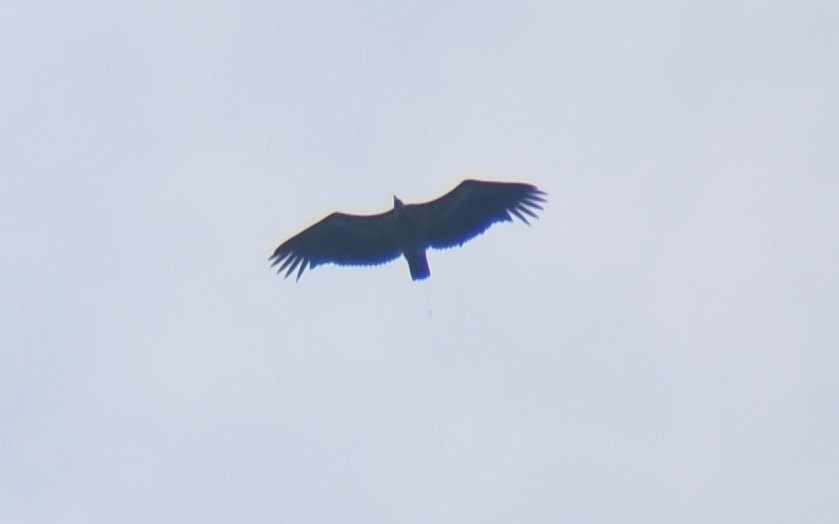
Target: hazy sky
(662, 346)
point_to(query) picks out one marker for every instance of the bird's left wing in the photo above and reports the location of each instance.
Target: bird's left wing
(340, 238)
(473, 206)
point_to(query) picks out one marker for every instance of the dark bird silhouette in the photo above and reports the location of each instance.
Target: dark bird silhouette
(366, 240)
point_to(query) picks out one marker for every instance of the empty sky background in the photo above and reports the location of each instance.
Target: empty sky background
(660, 347)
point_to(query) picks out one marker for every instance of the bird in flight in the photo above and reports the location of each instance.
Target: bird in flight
(408, 229)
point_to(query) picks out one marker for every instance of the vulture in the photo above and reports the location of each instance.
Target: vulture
(408, 229)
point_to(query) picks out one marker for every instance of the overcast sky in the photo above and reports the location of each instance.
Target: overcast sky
(661, 346)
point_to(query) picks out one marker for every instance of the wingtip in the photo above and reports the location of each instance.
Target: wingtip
(300, 271)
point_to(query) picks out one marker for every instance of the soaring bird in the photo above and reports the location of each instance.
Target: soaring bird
(408, 229)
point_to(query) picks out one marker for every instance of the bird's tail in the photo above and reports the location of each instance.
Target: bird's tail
(418, 264)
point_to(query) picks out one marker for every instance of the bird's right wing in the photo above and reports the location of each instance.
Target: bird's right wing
(473, 206)
(340, 238)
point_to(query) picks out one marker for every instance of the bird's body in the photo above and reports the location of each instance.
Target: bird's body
(408, 230)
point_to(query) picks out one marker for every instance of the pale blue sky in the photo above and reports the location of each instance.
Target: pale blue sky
(660, 347)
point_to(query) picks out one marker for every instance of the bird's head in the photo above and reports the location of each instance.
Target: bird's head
(397, 204)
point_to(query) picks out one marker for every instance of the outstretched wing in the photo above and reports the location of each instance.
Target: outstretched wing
(347, 240)
(469, 209)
